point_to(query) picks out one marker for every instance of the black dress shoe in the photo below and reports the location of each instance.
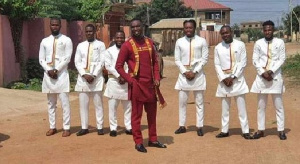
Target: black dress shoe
(282, 135)
(181, 129)
(258, 134)
(140, 148)
(200, 132)
(128, 132)
(100, 132)
(247, 136)
(113, 133)
(156, 144)
(82, 132)
(222, 135)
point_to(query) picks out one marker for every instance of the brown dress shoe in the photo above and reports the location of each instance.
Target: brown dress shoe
(66, 133)
(51, 132)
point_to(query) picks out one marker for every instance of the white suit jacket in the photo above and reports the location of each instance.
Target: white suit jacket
(231, 59)
(95, 62)
(113, 88)
(191, 54)
(261, 59)
(63, 49)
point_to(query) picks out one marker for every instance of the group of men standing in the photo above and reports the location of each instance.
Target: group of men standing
(230, 59)
(134, 79)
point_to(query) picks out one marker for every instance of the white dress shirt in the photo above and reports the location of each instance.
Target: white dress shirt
(56, 56)
(113, 88)
(231, 59)
(191, 54)
(268, 56)
(89, 59)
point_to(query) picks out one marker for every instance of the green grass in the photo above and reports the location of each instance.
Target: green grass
(291, 69)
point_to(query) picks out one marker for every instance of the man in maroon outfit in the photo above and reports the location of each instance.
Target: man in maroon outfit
(143, 78)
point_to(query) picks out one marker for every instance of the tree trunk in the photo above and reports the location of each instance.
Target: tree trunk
(16, 31)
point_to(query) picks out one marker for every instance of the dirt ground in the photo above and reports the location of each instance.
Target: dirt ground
(24, 122)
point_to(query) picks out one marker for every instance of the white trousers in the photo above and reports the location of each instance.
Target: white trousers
(113, 105)
(183, 98)
(84, 99)
(262, 100)
(241, 105)
(65, 105)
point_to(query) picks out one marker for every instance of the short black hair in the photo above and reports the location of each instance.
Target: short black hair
(225, 26)
(136, 19)
(268, 23)
(91, 25)
(55, 18)
(120, 31)
(190, 21)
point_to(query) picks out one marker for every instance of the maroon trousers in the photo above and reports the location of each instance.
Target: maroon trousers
(136, 116)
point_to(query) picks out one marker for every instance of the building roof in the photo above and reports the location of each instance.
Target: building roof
(205, 5)
(173, 23)
(198, 4)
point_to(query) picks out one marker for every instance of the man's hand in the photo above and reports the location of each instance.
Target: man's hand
(228, 81)
(88, 78)
(267, 75)
(156, 83)
(121, 80)
(53, 73)
(190, 75)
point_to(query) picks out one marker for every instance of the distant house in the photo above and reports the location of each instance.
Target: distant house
(252, 25)
(207, 10)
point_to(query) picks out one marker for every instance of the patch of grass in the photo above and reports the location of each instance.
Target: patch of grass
(291, 69)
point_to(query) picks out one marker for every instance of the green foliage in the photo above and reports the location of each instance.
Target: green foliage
(254, 34)
(19, 9)
(66, 9)
(291, 67)
(287, 21)
(34, 84)
(161, 9)
(73, 75)
(34, 69)
(94, 10)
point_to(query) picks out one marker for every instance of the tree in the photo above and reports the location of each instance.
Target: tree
(94, 10)
(18, 11)
(287, 21)
(254, 34)
(67, 9)
(161, 9)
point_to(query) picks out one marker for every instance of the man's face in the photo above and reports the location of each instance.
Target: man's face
(89, 33)
(268, 32)
(189, 29)
(119, 39)
(136, 28)
(55, 27)
(226, 35)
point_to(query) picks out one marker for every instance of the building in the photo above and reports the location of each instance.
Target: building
(207, 10)
(252, 25)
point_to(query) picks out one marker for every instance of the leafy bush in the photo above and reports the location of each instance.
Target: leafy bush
(34, 69)
(18, 85)
(34, 84)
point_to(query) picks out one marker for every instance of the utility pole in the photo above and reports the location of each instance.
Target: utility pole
(291, 16)
(196, 15)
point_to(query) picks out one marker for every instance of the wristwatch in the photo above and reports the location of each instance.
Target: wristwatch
(232, 76)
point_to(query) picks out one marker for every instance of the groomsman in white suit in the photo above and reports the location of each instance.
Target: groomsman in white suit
(230, 61)
(268, 57)
(116, 87)
(191, 54)
(89, 61)
(54, 56)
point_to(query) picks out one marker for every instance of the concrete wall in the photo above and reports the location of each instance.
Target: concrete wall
(33, 33)
(167, 38)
